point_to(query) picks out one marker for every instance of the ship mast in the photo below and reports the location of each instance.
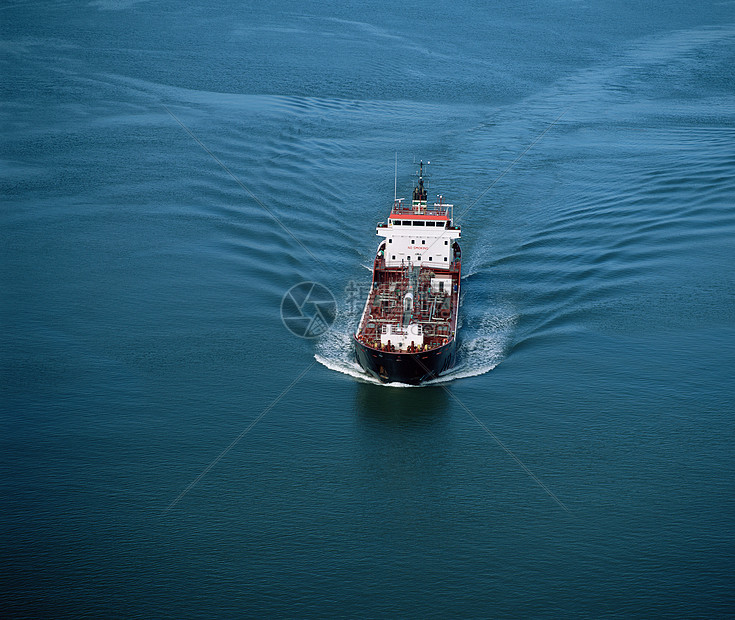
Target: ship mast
(395, 180)
(419, 192)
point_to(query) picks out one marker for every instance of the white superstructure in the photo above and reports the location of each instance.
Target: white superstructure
(419, 235)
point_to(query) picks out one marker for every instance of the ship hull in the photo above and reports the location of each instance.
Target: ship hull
(403, 367)
(408, 328)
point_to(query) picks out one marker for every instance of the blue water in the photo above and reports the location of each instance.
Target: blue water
(170, 450)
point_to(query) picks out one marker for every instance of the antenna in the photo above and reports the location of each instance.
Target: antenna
(395, 180)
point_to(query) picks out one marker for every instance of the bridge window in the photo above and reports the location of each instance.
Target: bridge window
(418, 223)
(430, 223)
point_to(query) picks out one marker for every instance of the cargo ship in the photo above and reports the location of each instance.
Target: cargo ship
(408, 328)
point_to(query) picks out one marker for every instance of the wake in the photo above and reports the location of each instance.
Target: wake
(483, 342)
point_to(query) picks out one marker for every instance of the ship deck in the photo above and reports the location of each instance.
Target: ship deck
(434, 310)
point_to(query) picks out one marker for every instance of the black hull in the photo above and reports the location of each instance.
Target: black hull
(402, 367)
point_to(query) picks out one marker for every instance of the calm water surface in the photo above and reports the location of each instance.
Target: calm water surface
(159, 158)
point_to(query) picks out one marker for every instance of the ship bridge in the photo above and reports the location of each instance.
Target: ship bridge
(419, 234)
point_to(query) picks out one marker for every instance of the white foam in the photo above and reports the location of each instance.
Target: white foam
(476, 263)
(482, 345)
(351, 369)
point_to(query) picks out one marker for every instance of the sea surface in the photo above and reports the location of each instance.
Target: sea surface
(168, 449)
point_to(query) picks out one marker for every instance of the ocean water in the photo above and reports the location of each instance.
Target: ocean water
(170, 170)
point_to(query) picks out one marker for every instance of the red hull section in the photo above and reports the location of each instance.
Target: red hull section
(435, 311)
